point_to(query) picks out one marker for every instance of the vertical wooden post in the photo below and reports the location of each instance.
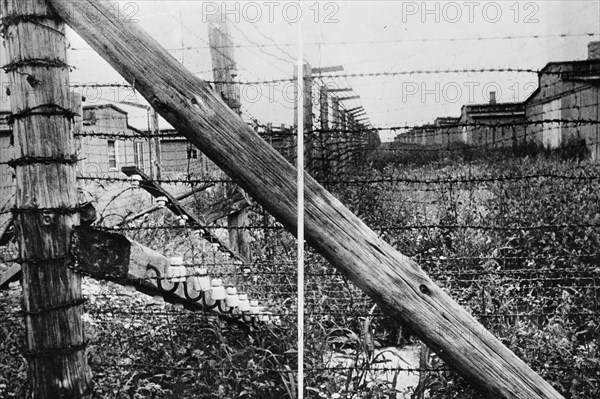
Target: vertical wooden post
(336, 133)
(46, 199)
(157, 152)
(151, 146)
(353, 134)
(324, 135)
(223, 61)
(224, 72)
(347, 137)
(324, 104)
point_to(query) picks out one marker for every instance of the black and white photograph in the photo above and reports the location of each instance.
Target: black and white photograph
(299, 199)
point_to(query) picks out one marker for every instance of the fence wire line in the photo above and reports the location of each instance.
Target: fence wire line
(550, 284)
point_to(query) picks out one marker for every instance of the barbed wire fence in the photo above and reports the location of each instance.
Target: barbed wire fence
(138, 344)
(149, 343)
(500, 211)
(508, 227)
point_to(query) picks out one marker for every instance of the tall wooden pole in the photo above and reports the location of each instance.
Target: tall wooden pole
(393, 280)
(157, 152)
(224, 72)
(46, 199)
(304, 97)
(151, 145)
(324, 135)
(223, 61)
(324, 107)
(336, 134)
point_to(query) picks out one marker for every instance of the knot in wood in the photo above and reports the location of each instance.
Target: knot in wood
(423, 288)
(47, 219)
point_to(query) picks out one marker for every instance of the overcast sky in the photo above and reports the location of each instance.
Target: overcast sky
(364, 37)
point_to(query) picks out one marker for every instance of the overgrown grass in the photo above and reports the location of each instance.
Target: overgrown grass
(513, 239)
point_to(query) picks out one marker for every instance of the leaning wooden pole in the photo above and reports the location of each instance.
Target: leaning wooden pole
(46, 198)
(393, 280)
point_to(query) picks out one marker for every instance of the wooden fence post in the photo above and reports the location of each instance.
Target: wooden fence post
(395, 282)
(224, 72)
(304, 96)
(324, 134)
(157, 167)
(46, 199)
(336, 134)
(324, 106)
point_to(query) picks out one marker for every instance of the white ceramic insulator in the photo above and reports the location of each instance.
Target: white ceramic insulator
(135, 180)
(204, 282)
(217, 291)
(193, 282)
(256, 309)
(161, 201)
(233, 299)
(244, 305)
(176, 260)
(176, 274)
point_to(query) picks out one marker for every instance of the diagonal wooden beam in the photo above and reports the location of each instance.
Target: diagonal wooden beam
(394, 281)
(156, 190)
(220, 209)
(353, 110)
(7, 232)
(336, 90)
(11, 275)
(329, 69)
(348, 98)
(151, 209)
(211, 214)
(110, 256)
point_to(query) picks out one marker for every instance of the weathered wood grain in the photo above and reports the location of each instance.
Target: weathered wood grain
(224, 69)
(51, 291)
(10, 276)
(225, 207)
(111, 256)
(6, 232)
(393, 280)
